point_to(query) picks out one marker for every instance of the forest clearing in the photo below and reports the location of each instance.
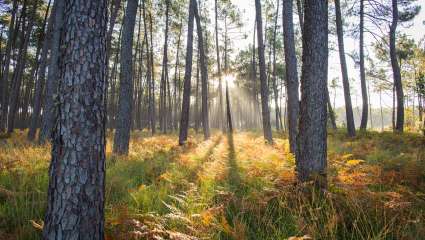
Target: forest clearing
(219, 189)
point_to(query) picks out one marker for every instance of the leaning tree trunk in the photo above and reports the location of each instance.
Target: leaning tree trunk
(184, 121)
(312, 162)
(365, 106)
(292, 83)
(204, 74)
(263, 77)
(396, 69)
(351, 128)
(76, 192)
(51, 84)
(125, 102)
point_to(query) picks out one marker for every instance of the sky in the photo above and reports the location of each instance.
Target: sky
(416, 31)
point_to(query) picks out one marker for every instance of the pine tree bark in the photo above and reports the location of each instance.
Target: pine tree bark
(125, 102)
(184, 121)
(365, 106)
(204, 74)
(76, 192)
(263, 77)
(312, 162)
(292, 83)
(351, 128)
(51, 84)
(398, 85)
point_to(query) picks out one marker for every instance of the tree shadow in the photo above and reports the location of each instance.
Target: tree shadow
(205, 158)
(234, 178)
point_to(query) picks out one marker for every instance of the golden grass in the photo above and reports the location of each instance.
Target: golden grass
(234, 187)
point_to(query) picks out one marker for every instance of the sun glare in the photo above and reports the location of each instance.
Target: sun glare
(231, 80)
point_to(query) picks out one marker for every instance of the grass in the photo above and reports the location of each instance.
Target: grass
(233, 187)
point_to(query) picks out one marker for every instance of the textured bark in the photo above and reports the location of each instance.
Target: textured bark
(5, 73)
(52, 77)
(41, 76)
(77, 170)
(292, 83)
(351, 128)
(398, 85)
(312, 162)
(184, 121)
(125, 102)
(365, 110)
(263, 77)
(204, 74)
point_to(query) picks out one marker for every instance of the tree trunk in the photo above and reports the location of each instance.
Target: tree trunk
(312, 160)
(176, 78)
(125, 102)
(365, 110)
(5, 73)
(331, 113)
(204, 74)
(184, 121)
(152, 68)
(292, 83)
(351, 128)
(164, 75)
(20, 67)
(41, 76)
(116, 5)
(220, 80)
(263, 77)
(228, 110)
(76, 189)
(396, 69)
(51, 84)
(275, 90)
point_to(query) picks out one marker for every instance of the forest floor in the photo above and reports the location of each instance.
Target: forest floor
(233, 187)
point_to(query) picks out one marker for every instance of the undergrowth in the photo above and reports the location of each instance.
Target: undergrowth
(233, 187)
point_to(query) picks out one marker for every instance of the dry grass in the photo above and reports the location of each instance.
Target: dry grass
(234, 187)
